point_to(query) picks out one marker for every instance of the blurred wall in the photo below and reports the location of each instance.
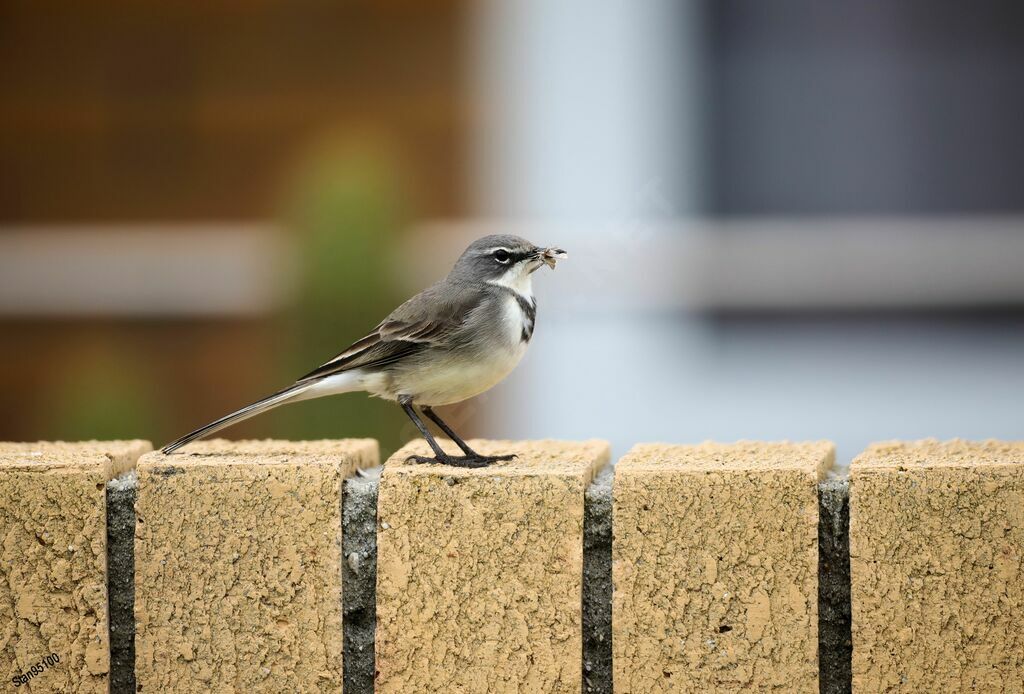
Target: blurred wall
(817, 139)
(120, 110)
(307, 113)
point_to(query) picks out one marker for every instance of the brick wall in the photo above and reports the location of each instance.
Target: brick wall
(285, 566)
(715, 567)
(936, 547)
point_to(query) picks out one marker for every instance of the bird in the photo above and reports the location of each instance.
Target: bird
(452, 341)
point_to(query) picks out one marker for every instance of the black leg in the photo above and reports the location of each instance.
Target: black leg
(471, 459)
(436, 419)
(470, 453)
(406, 404)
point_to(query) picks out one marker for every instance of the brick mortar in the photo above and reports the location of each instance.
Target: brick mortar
(597, 584)
(121, 496)
(835, 645)
(359, 580)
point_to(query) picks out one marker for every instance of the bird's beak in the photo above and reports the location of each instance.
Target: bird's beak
(550, 256)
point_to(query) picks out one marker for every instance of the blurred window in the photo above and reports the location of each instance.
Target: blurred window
(839, 108)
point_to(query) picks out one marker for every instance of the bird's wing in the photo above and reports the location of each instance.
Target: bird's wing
(425, 320)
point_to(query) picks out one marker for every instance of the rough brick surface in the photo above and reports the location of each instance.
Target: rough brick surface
(937, 564)
(715, 566)
(122, 455)
(53, 581)
(238, 565)
(479, 571)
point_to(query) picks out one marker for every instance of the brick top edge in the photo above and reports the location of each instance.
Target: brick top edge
(935, 453)
(63, 462)
(540, 457)
(358, 452)
(115, 447)
(809, 456)
(116, 456)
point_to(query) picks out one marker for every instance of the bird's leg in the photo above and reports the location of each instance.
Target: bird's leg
(436, 419)
(439, 455)
(470, 453)
(469, 460)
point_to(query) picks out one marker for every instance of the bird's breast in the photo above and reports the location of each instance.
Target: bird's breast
(518, 316)
(448, 376)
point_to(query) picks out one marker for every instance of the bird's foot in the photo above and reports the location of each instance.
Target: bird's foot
(488, 459)
(467, 461)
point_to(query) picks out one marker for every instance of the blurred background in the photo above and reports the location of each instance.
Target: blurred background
(787, 220)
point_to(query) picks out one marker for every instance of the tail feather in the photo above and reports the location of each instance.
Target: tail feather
(246, 412)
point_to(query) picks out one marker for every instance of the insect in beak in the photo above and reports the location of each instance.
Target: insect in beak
(550, 256)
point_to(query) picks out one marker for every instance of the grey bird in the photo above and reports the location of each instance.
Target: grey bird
(450, 342)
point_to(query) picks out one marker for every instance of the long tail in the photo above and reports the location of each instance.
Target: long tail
(269, 402)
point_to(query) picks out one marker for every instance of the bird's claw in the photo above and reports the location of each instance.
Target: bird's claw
(466, 461)
(497, 458)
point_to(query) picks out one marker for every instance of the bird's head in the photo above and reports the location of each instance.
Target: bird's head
(504, 259)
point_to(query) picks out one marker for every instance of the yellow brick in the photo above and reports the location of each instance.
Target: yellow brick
(937, 545)
(53, 559)
(121, 454)
(238, 565)
(715, 567)
(479, 571)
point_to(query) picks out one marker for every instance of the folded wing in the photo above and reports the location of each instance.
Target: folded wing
(426, 320)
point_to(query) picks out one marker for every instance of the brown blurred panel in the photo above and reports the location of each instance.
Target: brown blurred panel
(180, 374)
(126, 111)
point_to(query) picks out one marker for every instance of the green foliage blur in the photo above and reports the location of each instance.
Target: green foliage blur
(343, 213)
(105, 396)
(346, 212)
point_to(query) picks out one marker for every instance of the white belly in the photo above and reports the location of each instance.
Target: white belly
(455, 380)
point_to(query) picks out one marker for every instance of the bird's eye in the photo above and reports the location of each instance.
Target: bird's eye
(502, 256)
